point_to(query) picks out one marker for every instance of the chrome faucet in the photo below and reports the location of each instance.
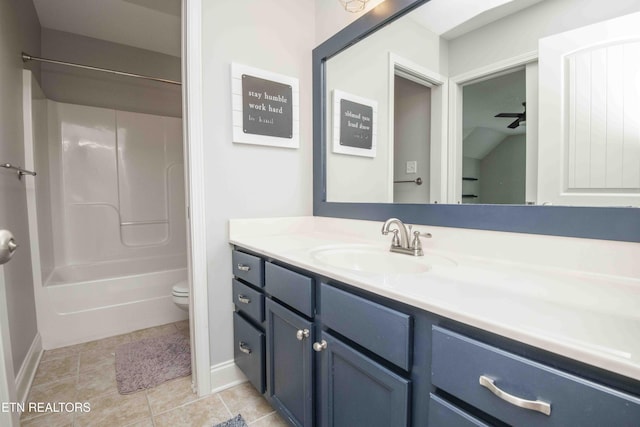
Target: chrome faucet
(400, 243)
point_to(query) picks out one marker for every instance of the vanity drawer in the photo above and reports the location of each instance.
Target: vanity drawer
(444, 414)
(248, 300)
(293, 289)
(248, 268)
(248, 351)
(459, 363)
(384, 331)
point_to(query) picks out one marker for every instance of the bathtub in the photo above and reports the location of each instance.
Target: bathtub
(92, 301)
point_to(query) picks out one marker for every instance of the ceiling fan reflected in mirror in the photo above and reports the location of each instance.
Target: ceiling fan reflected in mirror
(521, 118)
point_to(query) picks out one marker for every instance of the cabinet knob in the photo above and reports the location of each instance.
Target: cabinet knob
(244, 347)
(319, 346)
(243, 299)
(302, 334)
(243, 267)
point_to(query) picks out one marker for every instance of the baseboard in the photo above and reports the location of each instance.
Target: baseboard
(225, 375)
(28, 369)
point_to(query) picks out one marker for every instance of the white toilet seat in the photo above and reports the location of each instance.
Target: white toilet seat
(180, 288)
(180, 294)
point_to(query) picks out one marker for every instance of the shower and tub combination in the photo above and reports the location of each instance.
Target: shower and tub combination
(107, 218)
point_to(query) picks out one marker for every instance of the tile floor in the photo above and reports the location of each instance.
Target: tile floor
(86, 373)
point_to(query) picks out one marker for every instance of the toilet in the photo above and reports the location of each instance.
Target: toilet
(180, 295)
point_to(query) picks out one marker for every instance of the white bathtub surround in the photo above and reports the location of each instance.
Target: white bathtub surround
(116, 183)
(575, 297)
(106, 218)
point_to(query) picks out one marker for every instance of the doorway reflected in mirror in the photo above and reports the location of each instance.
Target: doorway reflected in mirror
(494, 160)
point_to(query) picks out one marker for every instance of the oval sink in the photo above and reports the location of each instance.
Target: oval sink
(371, 260)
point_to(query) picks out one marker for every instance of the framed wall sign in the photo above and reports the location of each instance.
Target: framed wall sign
(354, 124)
(265, 107)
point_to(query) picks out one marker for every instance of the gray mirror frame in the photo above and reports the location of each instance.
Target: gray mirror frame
(615, 223)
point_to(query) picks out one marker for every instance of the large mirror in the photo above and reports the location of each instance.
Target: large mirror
(498, 104)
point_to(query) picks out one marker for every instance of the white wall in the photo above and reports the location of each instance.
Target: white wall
(247, 180)
(19, 30)
(78, 86)
(519, 33)
(363, 70)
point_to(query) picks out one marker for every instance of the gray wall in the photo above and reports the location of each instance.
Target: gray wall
(77, 86)
(245, 181)
(363, 70)
(19, 30)
(503, 172)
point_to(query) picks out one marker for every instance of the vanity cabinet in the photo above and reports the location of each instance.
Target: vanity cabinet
(351, 377)
(328, 354)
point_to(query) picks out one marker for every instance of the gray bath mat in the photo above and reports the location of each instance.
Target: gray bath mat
(146, 363)
(236, 421)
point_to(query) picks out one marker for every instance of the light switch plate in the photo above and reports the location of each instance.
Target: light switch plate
(412, 166)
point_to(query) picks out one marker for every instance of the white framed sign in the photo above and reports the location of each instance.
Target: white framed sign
(354, 124)
(265, 107)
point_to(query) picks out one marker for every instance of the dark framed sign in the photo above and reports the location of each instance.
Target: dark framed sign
(354, 124)
(265, 107)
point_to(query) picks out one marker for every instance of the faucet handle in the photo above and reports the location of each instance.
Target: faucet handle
(395, 241)
(416, 244)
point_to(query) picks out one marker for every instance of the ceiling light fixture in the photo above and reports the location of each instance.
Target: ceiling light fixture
(353, 5)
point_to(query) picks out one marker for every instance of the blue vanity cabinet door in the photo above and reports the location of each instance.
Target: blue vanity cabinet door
(289, 364)
(357, 391)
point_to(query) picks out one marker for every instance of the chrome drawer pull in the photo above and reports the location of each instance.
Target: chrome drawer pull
(534, 405)
(243, 267)
(243, 299)
(244, 348)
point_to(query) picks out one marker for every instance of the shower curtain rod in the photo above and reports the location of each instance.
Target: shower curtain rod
(26, 57)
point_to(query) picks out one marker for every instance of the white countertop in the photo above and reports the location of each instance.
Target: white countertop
(587, 316)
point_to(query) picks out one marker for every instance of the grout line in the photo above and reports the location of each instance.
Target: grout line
(184, 404)
(74, 418)
(78, 370)
(262, 417)
(59, 379)
(225, 405)
(146, 395)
